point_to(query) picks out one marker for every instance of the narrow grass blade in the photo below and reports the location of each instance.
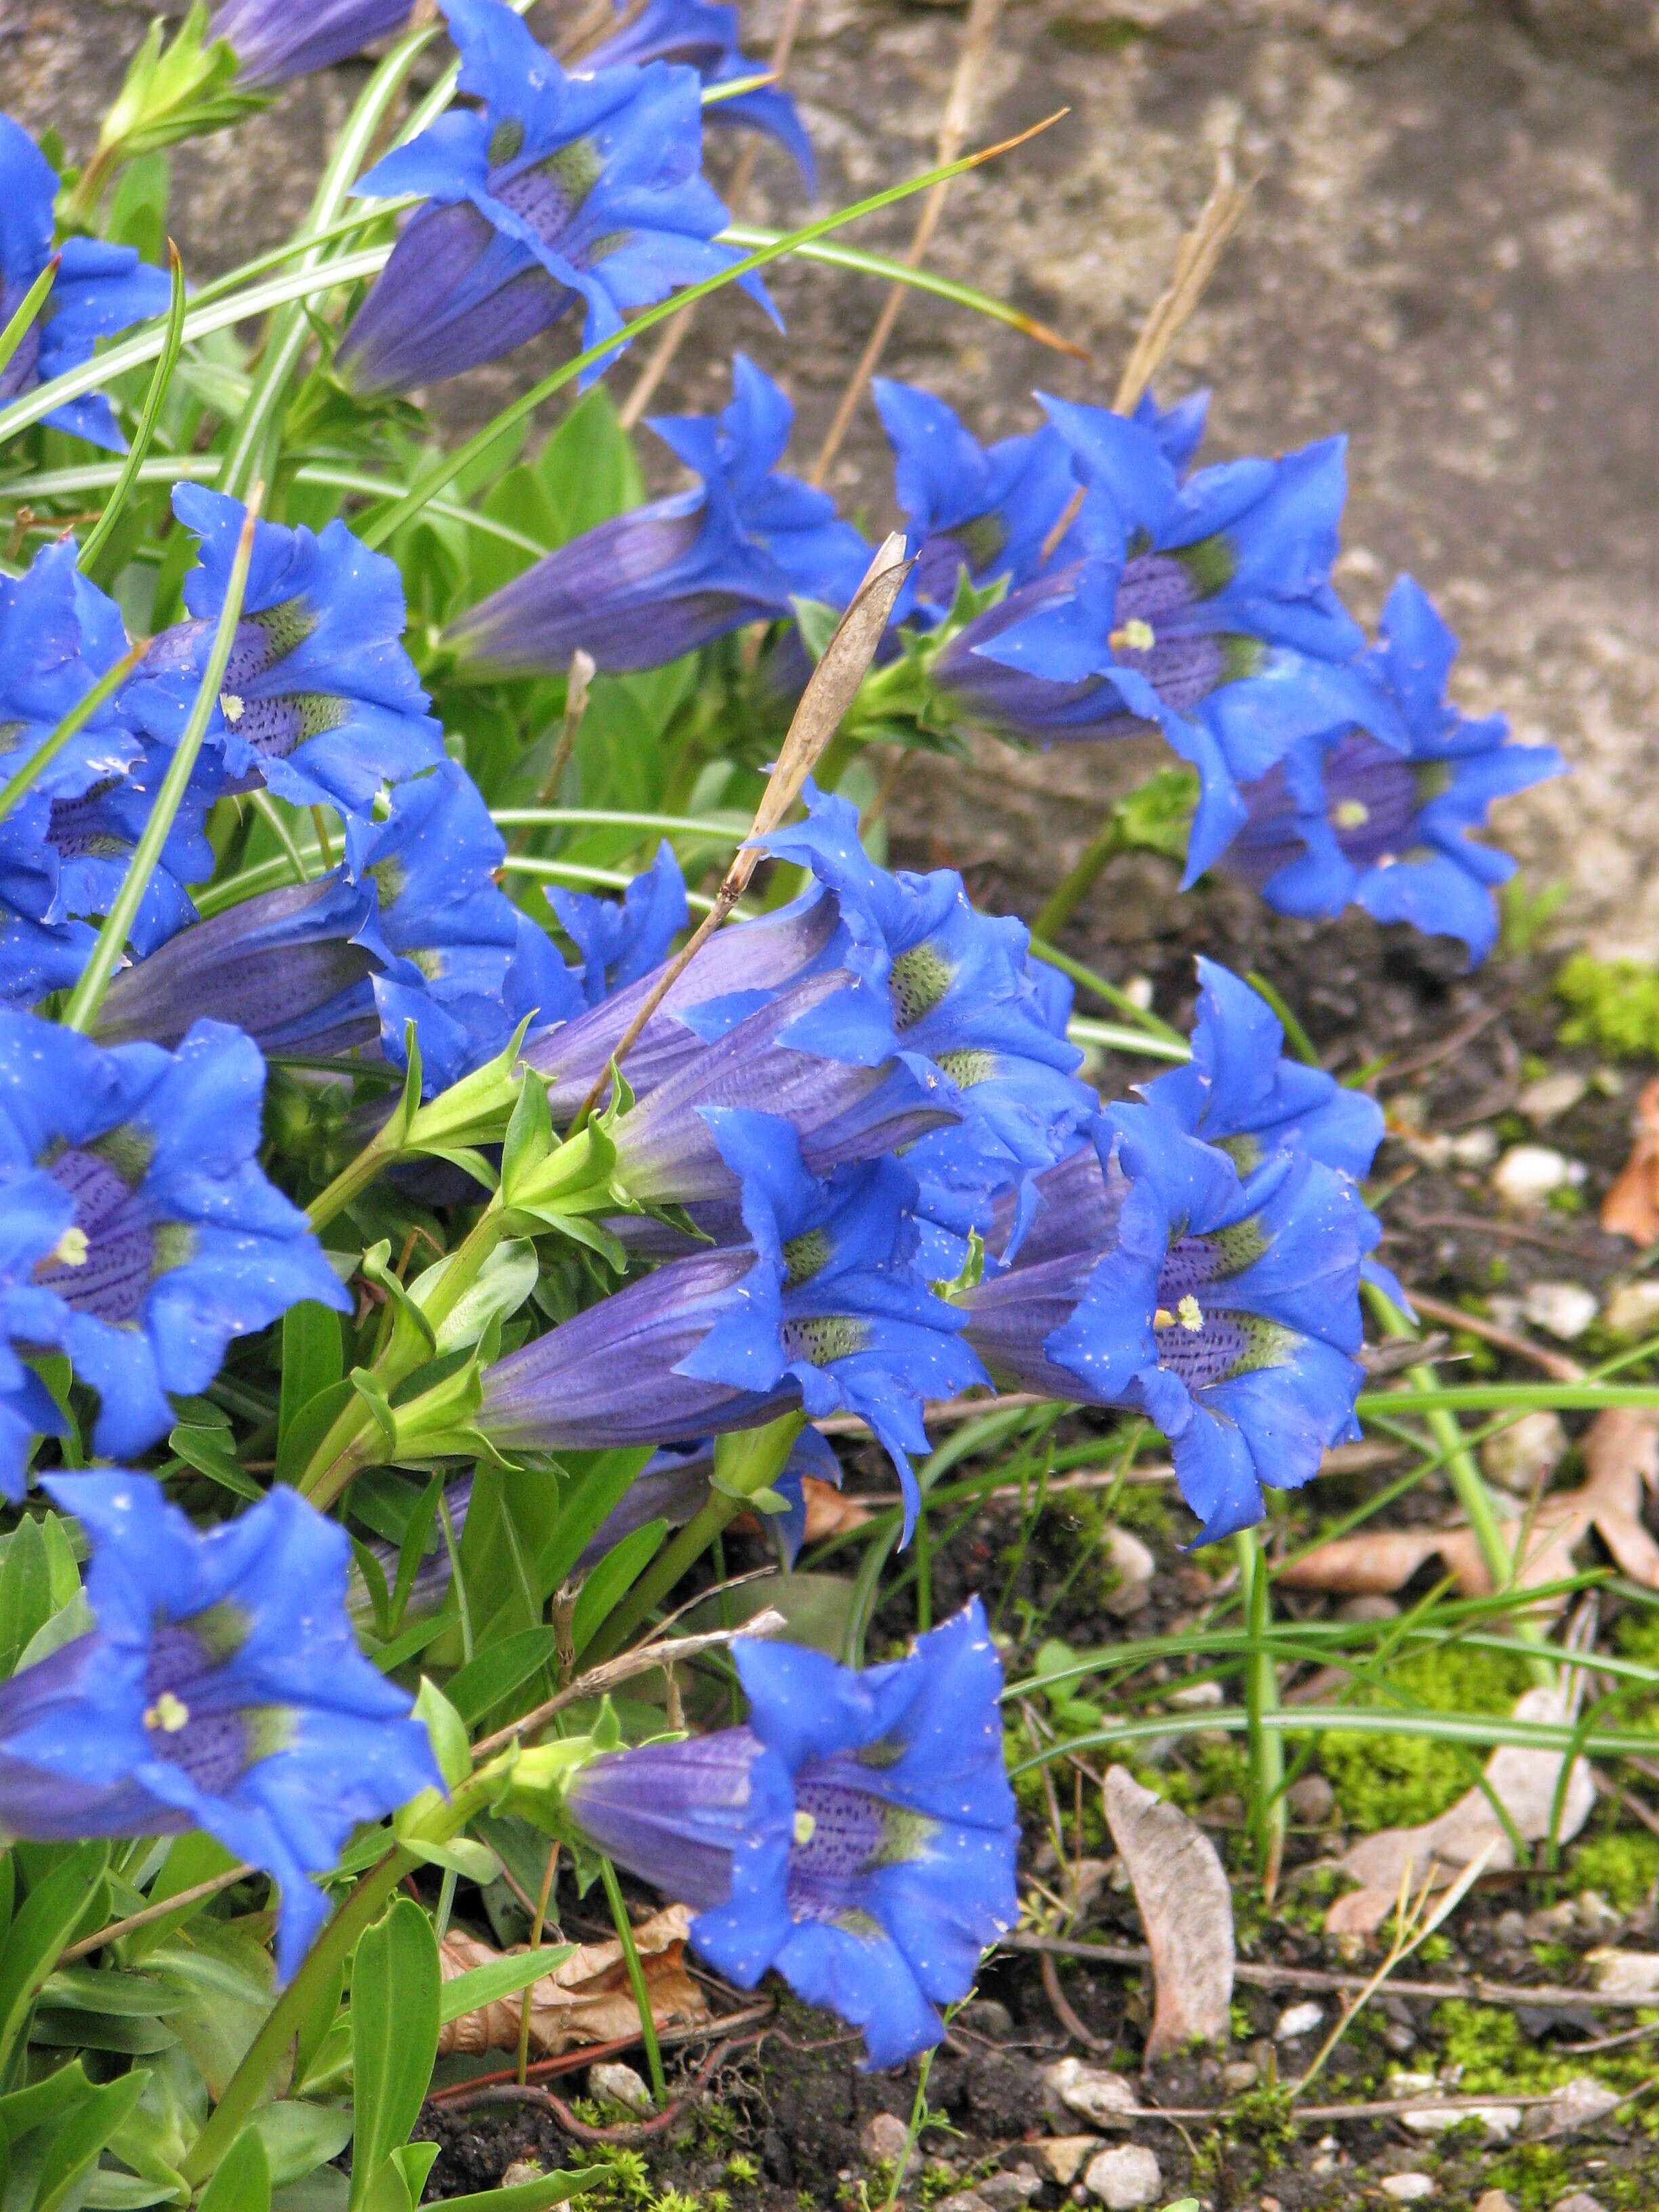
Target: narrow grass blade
(76, 719)
(28, 308)
(103, 529)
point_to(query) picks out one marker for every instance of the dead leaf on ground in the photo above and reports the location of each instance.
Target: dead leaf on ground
(1186, 1908)
(587, 1999)
(1526, 1782)
(1621, 1458)
(1630, 1207)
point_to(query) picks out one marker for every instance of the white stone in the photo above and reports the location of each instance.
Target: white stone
(1517, 1455)
(523, 2170)
(1633, 1309)
(1239, 2074)
(1625, 1974)
(1475, 1148)
(1553, 1096)
(623, 2086)
(1497, 2122)
(1576, 2104)
(885, 2136)
(1125, 2178)
(1299, 2020)
(1192, 1694)
(1401, 2084)
(1407, 2188)
(1527, 1174)
(1062, 2156)
(1006, 2191)
(1134, 1566)
(1564, 1310)
(1095, 2093)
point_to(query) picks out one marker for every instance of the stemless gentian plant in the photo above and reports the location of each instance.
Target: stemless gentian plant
(221, 1687)
(1343, 821)
(99, 289)
(276, 40)
(165, 1240)
(858, 1833)
(320, 700)
(664, 579)
(1203, 606)
(559, 188)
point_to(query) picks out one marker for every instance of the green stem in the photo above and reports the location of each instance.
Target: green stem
(1264, 1748)
(88, 994)
(1113, 993)
(1300, 1043)
(76, 719)
(630, 1951)
(1078, 880)
(353, 1180)
(247, 2086)
(27, 309)
(114, 506)
(1586, 1397)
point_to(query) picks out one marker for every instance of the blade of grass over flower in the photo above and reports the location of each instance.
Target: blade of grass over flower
(450, 465)
(104, 528)
(630, 1951)
(25, 311)
(76, 719)
(88, 994)
(889, 272)
(1485, 1731)
(1115, 1037)
(1113, 993)
(578, 872)
(512, 817)
(1586, 1397)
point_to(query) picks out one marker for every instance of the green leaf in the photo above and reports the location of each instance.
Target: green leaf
(500, 1978)
(51, 1914)
(460, 1854)
(498, 1672)
(75, 2148)
(194, 1857)
(211, 1452)
(26, 1603)
(587, 467)
(310, 1425)
(612, 1578)
(601, 1480)
(370, 1388)
(447, 1730)
(394, 2035)
(298, 2136)
(505, 1280)
(529, 1138)
(313, 1358)
(242, 2183)
(531, 2196)
(111, 1990)
(318, 2025)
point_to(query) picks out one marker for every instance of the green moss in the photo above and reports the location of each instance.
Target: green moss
(1623, 1865)
(1614, 1007)
(1397, 1781)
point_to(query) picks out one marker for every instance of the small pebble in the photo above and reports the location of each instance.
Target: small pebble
(1580, 2201)
(1633, 1309)
(1125, 2178)
(985, 2016)
(1299, 2020)
(1527, 1174)
(1517, 1455)
(1564, 1310)
(1311, 1799)
(1474, 1148)
(1012, 2188)
(1593, 1914)
(1239, 2074)
(884, 2137)
(1062, 2156)
(1407, 2188)
(522, 2170)
(1551, 1096)
(1192, 1694)
(964, 2200)
(1134, 1566)
(1370, 1605)
(1579, 2103)
(1495, 2200)
(1497, 2122)
(1625, 1974)
(623, 2086)
(1095, 2093)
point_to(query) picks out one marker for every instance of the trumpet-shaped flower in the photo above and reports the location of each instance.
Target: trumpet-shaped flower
(319, 702)
(58, 634)
(276, 40)
(99, 289)
(1203, 607)
(702, 36)
(559, 188)
(821, 1308)
(858, 1834)
(619, 940)
(166, 1240)
(221, 1687)
(1343, 821)
(662, 579)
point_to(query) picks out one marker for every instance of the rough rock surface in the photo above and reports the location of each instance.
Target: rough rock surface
(1450, 256)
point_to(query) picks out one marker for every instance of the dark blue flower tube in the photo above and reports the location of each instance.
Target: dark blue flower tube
(165, 1240)
(222, 1688)
(321, 702)
(98, 290)
(559, 188)
(645, 587)
(858, 1834)
(276, 40)
(700, 35)
(1344, 821)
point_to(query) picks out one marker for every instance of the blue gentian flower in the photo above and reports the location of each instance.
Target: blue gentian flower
(645, 587)
(170, 1241)
(560, 187)
(619, 940)
(99, 289)
(702, 36)
(1343, 821)
(985, 510)
(276, 40)
(1203, 607)
(821, 1308)
(222, 1688)
(1179, 430)
(320, 701)
(859, 1835)
(412, 926)
(58, 634)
